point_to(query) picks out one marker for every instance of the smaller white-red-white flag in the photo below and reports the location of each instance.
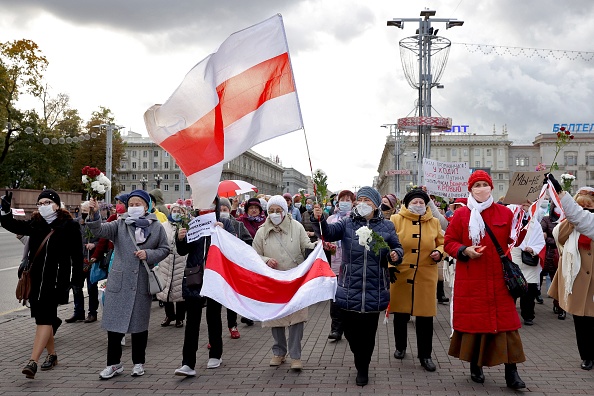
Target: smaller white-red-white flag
(238, 279)
(239, 96)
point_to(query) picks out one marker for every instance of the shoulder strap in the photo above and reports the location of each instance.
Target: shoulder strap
(497, 245)
(148, 269)
(42, 244)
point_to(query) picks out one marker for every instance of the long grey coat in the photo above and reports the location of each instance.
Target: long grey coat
(127, 306)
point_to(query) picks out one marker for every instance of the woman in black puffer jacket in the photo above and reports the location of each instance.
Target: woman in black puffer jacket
(59, 258)
(363, 282)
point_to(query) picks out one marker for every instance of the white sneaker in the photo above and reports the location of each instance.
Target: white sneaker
(138, 370)
(185, 371)
(214, 363)
(110, 371)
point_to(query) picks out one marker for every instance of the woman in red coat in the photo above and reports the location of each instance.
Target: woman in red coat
(485, 319)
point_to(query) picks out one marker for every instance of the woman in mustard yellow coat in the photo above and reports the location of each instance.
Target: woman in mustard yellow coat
(413, 292)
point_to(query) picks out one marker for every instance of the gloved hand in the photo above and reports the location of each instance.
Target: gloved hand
(393, 271)
(6, 199)
(556, 185)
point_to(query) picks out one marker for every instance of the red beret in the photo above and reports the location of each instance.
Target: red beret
(479, 175)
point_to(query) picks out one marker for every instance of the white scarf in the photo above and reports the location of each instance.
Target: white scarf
(571, 261)
(476, 228)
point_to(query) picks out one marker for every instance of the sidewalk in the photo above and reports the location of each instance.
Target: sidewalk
(552, 368)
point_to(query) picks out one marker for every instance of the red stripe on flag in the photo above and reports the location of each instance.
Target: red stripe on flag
(201, 145)
(259, 287)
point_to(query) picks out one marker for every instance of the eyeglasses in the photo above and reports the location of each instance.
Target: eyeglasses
(44, 203)
(276, 211)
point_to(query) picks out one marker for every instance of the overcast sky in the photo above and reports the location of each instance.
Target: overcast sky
(129, 55)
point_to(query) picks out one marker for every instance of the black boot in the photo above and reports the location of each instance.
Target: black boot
(476, 373)
(441, 297)
(362, 376)
(512, 378)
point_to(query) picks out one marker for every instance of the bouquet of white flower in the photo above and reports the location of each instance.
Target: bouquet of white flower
(567, 179)
(367, 236)
(95, 182)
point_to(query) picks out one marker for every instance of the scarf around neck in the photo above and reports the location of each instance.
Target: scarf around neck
(476, 227)
(141, 225)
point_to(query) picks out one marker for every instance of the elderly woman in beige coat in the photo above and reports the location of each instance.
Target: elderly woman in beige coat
(281, 242)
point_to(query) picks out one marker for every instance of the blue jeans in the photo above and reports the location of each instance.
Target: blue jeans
(79, 298)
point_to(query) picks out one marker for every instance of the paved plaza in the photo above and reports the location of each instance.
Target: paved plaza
(552, 368)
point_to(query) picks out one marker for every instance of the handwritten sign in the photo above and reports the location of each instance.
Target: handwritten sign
(524, 186)
(201, 226)
(446, 179)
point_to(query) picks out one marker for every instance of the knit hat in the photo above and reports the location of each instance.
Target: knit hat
(280, 201)
(224, 202)
(479, 175)
(415, 193)
(51, 195)
(348, 193)
(253, 202)
(392, 198)
(122, 197)
(264, 203)
(370, 193)
(288, 196)
(461, 201)
(140, 194)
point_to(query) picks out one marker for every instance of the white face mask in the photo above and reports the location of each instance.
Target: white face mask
(46, 210)
(344, 206)
(276, 218)
(363, 209)
(417, 209)
(224, 215)
(297, 204)
(136, 211)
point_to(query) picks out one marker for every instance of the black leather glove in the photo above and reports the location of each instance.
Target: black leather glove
(556, 185)
(393, 271)
(6, 199)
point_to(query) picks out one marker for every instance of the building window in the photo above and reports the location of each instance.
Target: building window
(488, 152)
(501, 187)
(465, 152)
(522, 161)
(133, 187)
(145, 165)
(155, 165)
(144, 153)
(176, 187)
(590, 158)
(134, 176)
(166, 154)
(187, 187)
(166, 176)
(489, 164)
(133, 153)
(570, 158)
(500, 152)
(123, 188)
(590, 175)
(176, 166)
(176, 176)
(500, 164)
(166, 165)
(155, 153)
(133, 165)
(454, 152)
(500, 176)
(165, 187)
(477, 164)
(122, 177)
(477, 151)
(123, 165)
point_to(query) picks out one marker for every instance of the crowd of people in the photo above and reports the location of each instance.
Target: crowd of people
(389, 255)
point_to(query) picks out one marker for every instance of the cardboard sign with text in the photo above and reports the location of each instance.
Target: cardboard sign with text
(201, 226)
(523, 186)
(446, 179)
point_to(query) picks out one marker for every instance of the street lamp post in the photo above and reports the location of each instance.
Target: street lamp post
(158, 179)
(143, 180)
(109, 128)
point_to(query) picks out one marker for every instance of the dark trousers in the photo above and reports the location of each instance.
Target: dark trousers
(360, 330)
(192, 331)
(584, 334)
(527, 302)
(336, 315)
(177, 311)
(114, 347)
(214, 324)
(79, 298)
(424, 329)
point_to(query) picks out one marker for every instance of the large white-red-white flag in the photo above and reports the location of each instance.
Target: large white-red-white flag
(236, 277)
(239, 96)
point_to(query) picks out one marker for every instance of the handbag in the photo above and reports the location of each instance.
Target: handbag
(98, 273)
(155, 282)
(529, 259)
(512, 275)
(193, 277)
(24, 284)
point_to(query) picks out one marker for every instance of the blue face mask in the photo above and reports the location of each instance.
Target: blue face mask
(176, 216)
(328, 208)
(344, 206)
(309, 207)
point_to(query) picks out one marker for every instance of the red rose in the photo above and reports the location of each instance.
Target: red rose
(567, 133)
(571, 137)
(85, 170)
(562, 128)
(558, 134)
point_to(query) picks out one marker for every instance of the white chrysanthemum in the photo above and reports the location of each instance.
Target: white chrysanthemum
(100, 189)
(364, 234)
(567, 176)
(85, 179)
(95, 185)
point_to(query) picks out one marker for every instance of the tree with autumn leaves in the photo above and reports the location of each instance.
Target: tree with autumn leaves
(25, 162)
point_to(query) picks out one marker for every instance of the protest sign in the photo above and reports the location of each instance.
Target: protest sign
(446, 179)
(201, 226)
(524, 186)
